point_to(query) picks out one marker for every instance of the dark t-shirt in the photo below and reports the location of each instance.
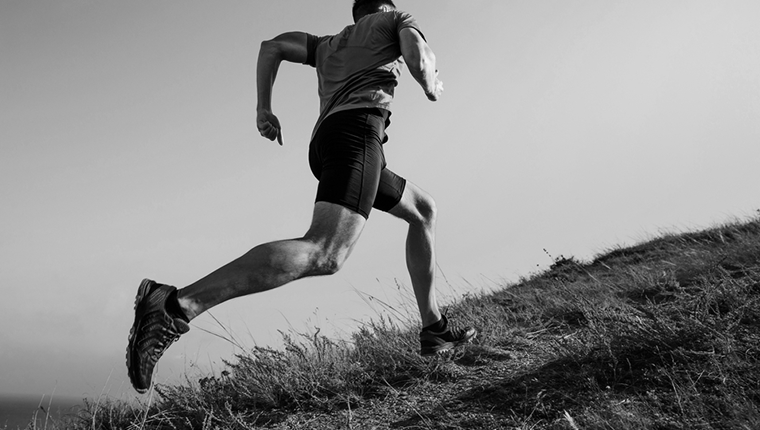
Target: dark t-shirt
(359, 67)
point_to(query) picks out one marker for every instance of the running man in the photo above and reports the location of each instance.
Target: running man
(357, 71)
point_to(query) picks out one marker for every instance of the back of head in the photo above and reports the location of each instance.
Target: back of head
(363, 8)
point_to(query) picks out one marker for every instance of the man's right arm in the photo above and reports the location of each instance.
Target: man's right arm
(291, 47)
(420, 60)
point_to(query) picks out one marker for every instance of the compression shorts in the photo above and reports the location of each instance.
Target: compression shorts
(346, 156)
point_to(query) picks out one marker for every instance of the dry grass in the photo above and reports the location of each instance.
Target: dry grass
(662, 335)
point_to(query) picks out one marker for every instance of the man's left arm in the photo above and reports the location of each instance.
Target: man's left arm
(291, 47)
(420, 60)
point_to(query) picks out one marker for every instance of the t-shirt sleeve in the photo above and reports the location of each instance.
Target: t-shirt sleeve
(311, 49)
(405, 20)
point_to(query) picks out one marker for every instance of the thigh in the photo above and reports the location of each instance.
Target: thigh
(389, 191)
(335, 228)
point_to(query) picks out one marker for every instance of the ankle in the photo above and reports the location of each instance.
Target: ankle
(175, 308)
(438, 326)
(430, 316)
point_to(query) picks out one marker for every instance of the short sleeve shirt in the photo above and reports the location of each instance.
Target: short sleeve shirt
(360, 66)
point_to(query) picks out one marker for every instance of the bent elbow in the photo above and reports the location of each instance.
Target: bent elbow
(428, 62)
(429, 56)
(269, 48)
(424, 66)
(420, 63)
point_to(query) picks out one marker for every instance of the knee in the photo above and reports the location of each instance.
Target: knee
(426, 209)
(328, 263)
(330, 266)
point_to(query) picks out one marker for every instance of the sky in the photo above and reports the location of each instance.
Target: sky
(129, 151)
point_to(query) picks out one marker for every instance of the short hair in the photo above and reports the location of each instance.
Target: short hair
(366, 7)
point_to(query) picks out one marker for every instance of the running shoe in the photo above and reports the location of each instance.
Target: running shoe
(152, 332)
(433, 343)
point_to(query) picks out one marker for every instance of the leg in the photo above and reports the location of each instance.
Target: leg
(346, 157)
(418, 209)
(321, 251)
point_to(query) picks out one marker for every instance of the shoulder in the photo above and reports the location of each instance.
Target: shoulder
(313, 38)
(402, 20)
(316, 41)
(405, 20)
(312, 45)
(391, 22)
(401, 16)
(396, 17)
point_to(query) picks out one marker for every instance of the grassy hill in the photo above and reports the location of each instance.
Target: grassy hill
(662, 335)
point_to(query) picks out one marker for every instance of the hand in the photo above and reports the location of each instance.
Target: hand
(437, 90)
(269, 125)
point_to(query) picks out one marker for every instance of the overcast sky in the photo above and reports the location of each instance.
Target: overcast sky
(129, 150)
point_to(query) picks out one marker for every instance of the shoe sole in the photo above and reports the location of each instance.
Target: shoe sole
(142, 292)
(448, 346)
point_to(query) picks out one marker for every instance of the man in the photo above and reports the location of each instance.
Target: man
(357, 71)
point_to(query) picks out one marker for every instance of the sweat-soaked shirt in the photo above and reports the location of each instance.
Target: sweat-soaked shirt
(360, 66)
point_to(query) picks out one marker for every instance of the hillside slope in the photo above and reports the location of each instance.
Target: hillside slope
(662, 335)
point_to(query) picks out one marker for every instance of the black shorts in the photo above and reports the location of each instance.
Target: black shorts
(346, 156)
